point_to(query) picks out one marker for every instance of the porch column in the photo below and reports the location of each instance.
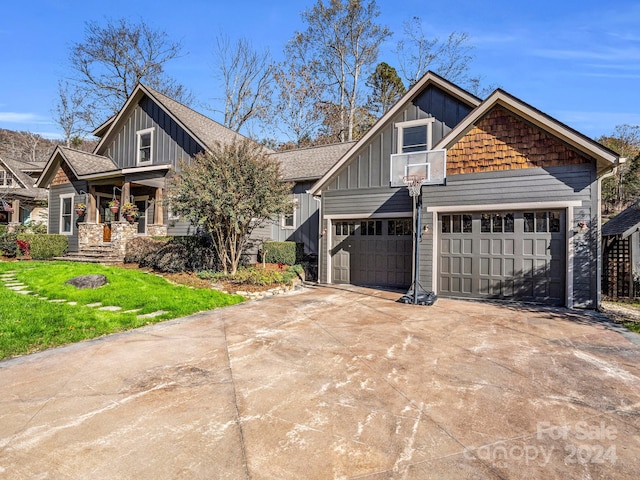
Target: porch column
(126, 192)
(159, 213)
(15, 216)
(91, 206)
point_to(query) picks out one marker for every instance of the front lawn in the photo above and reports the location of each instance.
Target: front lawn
(33, 322)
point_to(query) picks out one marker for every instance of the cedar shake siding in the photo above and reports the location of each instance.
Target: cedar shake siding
(502, 141)
(63, 176)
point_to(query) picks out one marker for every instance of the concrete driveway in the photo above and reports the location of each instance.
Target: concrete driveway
(332, 384)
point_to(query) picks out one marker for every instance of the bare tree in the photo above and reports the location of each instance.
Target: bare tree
(113, 59)
(71, 112)
(295, 110)
(340, 44)
(450, 58)
(247, 77)
(624, 187)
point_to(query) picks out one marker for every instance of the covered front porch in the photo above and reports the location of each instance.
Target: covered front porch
(104, 230)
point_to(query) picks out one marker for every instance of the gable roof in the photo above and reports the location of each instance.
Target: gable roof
(623, 224)
(427, 79)
(310, 163)
(82, 164)
(27, 184)
(606, 158)
(203, 129)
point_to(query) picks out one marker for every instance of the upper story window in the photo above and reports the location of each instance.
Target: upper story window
(415, 135)
(145, 146)
(6, 180)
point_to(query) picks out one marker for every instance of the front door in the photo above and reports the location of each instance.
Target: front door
(142, 215)
(105, 216)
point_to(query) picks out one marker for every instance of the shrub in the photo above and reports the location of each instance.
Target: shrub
(287, 253)
(3, 230)
(45, 246)
(170, 258)
(140, 247)
(172, 254)
(8, 244)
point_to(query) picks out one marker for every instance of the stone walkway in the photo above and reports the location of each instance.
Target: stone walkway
(12, 283)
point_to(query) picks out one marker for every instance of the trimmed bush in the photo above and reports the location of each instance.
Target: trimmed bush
(8, 244)
(286, 253)
(45, 246)
(172, 254)
(139, 248)
(256, 276)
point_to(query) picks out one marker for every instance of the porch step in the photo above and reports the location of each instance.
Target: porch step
(94, 254)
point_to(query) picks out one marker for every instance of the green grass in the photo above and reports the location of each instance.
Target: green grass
(29, 324)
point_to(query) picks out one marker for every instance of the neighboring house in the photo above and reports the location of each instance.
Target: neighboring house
(518, 218)
(301, 167)
(621, 254)
(21, 202)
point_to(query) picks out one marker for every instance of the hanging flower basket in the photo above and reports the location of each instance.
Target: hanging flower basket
(130, 211)
(80, 208)
(114, 205)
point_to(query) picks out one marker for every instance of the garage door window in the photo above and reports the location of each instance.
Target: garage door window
(541, 222)
(371, 227)
(345, 228)
(456, 223)
(400, 227)
(497, 223)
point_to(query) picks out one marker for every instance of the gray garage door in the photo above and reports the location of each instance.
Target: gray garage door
(504, 255)
(372, 252)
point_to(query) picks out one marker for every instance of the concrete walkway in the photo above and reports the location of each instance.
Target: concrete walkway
(331, 384)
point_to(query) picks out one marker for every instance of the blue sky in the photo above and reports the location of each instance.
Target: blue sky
(576, 61)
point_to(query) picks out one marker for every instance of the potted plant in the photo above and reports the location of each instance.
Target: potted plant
(114, 205)
(130, 211)
(80, 208)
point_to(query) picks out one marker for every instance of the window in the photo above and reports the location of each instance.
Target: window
(497, 223)
(457, 223)
(415, 135)
(145, 145)
(6, 180)
(400, 227)
(542, 222)
(66, 214)
(288, 219)
(371, 227)
(345, 228)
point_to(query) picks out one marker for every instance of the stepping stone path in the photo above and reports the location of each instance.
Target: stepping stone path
(12, 283)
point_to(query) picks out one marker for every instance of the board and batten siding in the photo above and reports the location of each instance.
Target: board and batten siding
(555, 184)
(171, 143)
(306, 221)
(370, 166)
(55, 206)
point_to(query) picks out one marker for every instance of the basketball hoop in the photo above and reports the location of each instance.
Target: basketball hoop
(413, 184)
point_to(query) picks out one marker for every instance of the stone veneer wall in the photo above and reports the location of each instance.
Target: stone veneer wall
(90, 234)
(121, 233)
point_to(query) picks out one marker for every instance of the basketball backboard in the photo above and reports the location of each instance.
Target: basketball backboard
(430, 164)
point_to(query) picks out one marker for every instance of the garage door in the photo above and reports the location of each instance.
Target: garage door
(372, 252)
(504, 255)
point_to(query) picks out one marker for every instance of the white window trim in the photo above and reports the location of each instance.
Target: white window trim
(5, 177)
(60, 225)
(294, 203)
(400, 126)
(139, 134)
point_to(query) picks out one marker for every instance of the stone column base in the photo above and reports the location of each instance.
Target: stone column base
(157, 230)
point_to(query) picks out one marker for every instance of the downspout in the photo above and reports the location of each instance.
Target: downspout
(599, 234)
(321, 236)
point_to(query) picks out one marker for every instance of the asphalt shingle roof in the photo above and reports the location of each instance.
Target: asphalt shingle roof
(84, 163)
(626, 221)
(18, 169)
(207, 130)
(310, 163)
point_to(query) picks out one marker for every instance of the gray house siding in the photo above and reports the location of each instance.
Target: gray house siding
(171, 143)
(371, 165)
(55, 206)
(554, 184)
(306, 221)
